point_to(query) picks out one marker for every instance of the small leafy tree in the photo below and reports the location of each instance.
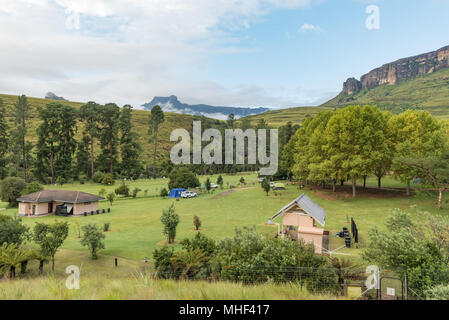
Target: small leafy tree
(220, 181)
(12, 231)
(77, 228)
(10, 256)
(108, 179)
(208, 185)
(266, 186)
(50, 238)
(12, 188)
(135, 192)
(93, 238)
(242, 180)
(123, 190)
(164, 193)
(32, 188)
(111, 197)
(106, 226)
(197, 222)
(170, 219)
(60, 181)
(102, 192)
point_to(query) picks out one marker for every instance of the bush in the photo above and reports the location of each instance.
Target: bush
(61, 181)
(181, 177)
(98, 177)
(102, 192)
(164, 193)
(197, 222)
(440, 292)
(93, 238)
(10, 189)
(170, 220)
(106, 226)
(32, 188)
(135, 192)
(108, 179)
(162, 262)
(123, 190)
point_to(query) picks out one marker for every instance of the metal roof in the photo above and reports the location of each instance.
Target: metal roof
(309, 207)
(66, 196)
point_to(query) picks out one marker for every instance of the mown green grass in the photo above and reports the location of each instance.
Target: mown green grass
(136, 229)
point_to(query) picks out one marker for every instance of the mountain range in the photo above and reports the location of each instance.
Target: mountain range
(172, 104)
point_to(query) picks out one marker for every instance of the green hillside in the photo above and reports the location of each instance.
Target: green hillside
(280, 117)
(427, 92)
(139, 120)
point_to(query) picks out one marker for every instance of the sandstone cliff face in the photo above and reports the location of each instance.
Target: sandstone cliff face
(399, 71)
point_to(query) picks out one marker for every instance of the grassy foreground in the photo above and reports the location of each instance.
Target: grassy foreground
(141, 287)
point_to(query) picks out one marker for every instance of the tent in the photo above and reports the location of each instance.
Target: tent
(279, 186)
(176, 193)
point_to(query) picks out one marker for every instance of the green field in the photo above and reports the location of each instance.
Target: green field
(136, 229)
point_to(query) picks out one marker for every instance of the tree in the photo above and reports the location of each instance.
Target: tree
(82, 156)
(187, 262)
(21, 113)
(164, 193)
(220, 181)
(123, 190)
(4, 141)
(90, 115)
(231, 121)
(129, 145)
(156, 119)
(415, 134)
(56, 140)
(170, 220)
(208, 185)
(111, 197)
(433, 171)
(11, 255)
(197, 222)
(12, 188)
(12, 231)
(33, 187)
(266, 186)
(93, 238)
(108, 134)
(50, 238)
(242, 180)
(181, 177)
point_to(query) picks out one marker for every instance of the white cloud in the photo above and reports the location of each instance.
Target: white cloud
(126, 51)
(310, 27)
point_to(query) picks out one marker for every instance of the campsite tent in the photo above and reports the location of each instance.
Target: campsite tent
(176, 193)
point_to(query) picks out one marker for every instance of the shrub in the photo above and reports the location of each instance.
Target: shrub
(181, 177)
(162, 262)
(93, 239)
(440, 292)
(32, 188)
(12, 231)
(102, 192)
(61, 181)
(164, 193)
(220, 181)
(108, 179)
(111, 197)
(202, 242)
(135, 192)
(10, 189)
(98, 177)
(145, 192)
(170, 220)
(123, 190)
(197, 222)
(242, 180)
(106, 226)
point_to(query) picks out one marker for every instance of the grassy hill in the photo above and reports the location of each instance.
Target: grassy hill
(139, 120)
(427, 92)
(278, 118)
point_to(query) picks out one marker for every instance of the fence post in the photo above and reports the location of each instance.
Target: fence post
(378, 285)
(406, 286)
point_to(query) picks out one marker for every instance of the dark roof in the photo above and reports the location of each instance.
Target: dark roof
(309, 207)
(60, 196)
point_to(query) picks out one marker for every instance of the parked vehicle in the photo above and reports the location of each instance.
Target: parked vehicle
(188, 194)
(213, 185)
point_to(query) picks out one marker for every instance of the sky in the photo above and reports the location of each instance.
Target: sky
(247, 53)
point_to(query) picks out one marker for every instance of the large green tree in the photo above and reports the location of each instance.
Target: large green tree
(156, 119)
(415, 134)
(4, 141)
(50, 238)
(109, 129)
(130, 147)
(90, 116)
(21, 113)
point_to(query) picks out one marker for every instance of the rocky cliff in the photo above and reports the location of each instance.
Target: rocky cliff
(400, 71)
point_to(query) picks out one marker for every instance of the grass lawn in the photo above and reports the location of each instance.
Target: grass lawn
(136, 229)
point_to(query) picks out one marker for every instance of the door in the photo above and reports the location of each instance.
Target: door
(50, 207)
(34, 210)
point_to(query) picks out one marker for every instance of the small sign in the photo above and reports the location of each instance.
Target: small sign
(391, 292)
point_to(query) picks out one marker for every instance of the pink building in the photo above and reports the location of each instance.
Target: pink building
(60, 202)
(303, 219)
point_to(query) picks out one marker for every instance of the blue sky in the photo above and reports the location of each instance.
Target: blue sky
(219, 52)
